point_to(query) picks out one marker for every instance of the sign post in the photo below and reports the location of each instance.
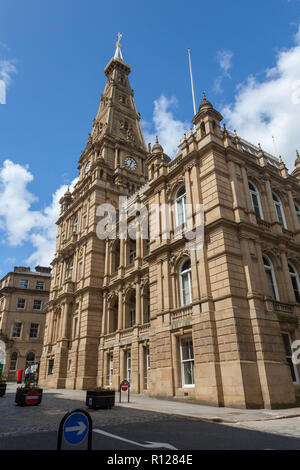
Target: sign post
(74, 427)
(124, 387)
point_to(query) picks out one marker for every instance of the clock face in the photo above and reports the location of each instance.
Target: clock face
(130, 163)
(87, 167)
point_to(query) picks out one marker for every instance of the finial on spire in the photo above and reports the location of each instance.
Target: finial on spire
(204, 96)
(118, 53)
(297, 153)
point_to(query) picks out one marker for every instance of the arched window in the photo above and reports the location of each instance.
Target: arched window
(30, 358)
(185, 283)
(255, 199)
(13, 361)
(180, 206)
(279, 210)
(297, 209)
(202, 129)
(269, 270)
(295, 282)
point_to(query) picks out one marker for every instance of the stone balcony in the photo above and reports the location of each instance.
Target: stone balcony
(181, 313)
(69, 243)
(128, 333)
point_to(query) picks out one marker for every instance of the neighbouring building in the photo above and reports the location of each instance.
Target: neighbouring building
(216, 324)
(23, 297)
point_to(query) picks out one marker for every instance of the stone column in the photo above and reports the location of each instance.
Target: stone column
(65, 321)
(138, 302)
(189, 197)
(50, 326)
(116, 156)
(159, 286)
(107, 262)
(120, 310)
(248, 202)
(122, 364)
(292, 211)
(142, 366)
(105, 367)
(234, 190)
(104, 315)
(288, 291)
(272, 212)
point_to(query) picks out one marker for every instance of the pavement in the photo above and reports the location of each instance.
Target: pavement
(141, 409)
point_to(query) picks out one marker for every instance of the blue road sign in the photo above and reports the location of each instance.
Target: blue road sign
(75, 428)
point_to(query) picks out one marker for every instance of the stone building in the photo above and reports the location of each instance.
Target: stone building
(23, 297)
(216, 323)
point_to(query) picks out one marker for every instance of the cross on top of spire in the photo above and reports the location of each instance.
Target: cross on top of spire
(118, 53)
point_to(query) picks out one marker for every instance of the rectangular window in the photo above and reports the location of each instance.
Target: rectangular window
(39, 285)
(37, 305)
(50, 366)
(289, 356)
(128, 365)
(279, 215)
(21, 303)
(131, 318)
(23, 284)
(256, 206)
(187, 361)
(34, 330)
(16, 332)
(80, 270)
(148, 313)
(13, 362)
(75, 327)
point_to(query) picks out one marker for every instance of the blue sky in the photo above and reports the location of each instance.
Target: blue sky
(52, 55)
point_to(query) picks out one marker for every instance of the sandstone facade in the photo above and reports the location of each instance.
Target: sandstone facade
(214, 323)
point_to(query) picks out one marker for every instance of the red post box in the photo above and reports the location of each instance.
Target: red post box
(20, 375)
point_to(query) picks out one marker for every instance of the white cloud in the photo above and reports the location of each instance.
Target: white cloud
(7, 68)
(168, 129)
(271, 107)
(17, 219)
(224, 58)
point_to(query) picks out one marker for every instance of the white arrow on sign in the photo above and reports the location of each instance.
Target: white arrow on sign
(80, 428)
(149, 445)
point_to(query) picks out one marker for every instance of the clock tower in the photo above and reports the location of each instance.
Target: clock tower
(112, 164)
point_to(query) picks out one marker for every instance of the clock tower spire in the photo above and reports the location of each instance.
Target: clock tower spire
(116, 138)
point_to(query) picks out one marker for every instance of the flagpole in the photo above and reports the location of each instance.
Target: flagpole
(192, 82)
